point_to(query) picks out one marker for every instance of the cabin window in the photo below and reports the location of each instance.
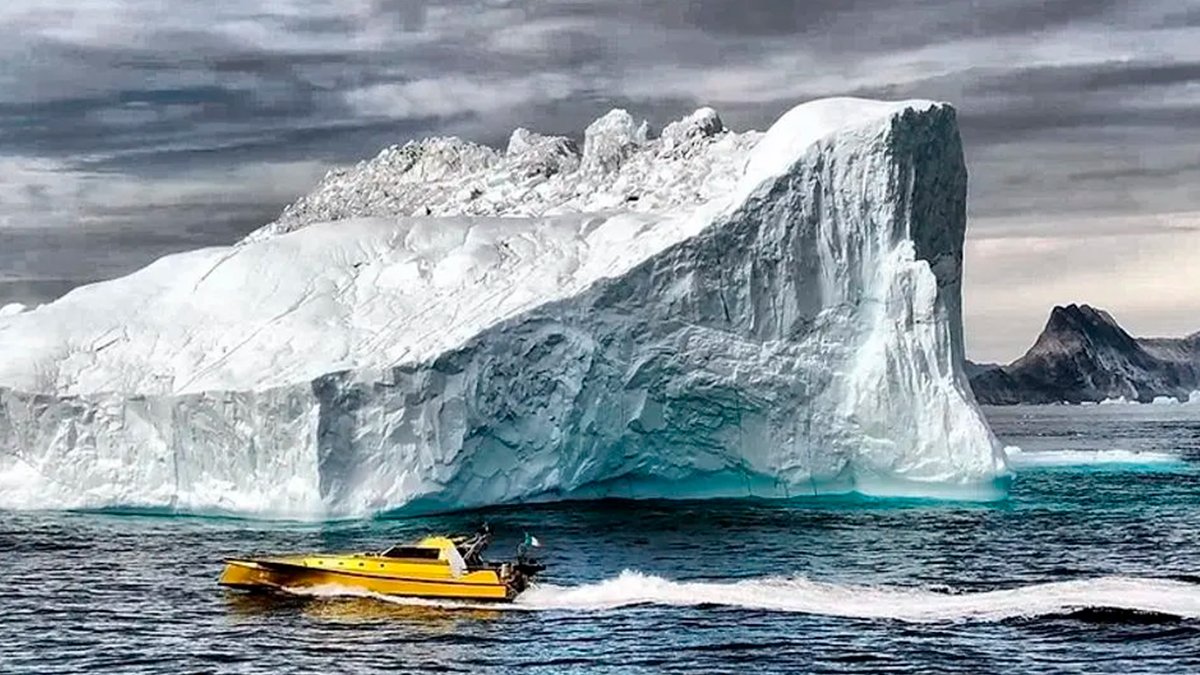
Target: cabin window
(411, 552)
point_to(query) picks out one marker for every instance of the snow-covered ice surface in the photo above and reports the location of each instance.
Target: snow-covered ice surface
(772, 315)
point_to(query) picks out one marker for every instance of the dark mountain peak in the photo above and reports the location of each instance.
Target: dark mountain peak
(1076, 327)
(1084, 355)
(1079, 317)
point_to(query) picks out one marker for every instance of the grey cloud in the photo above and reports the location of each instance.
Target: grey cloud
(1185, 17)
(1039, 15)
(866, 25)
(406, 15)
(1041, 117)
(219, 92)
(1113, 75)
(38, 264)
(1138, 172)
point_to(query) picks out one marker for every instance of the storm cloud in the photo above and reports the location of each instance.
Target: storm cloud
(132, 128)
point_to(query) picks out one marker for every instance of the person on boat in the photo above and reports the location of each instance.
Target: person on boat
(472, 549)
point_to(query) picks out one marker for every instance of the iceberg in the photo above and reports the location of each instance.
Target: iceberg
(697, 314)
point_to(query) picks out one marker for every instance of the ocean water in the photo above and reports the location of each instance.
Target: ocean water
(1092, 565)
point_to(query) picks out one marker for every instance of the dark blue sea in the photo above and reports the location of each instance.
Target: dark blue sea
(1091, 566)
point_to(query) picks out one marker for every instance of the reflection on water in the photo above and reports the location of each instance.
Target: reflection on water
(353, 610)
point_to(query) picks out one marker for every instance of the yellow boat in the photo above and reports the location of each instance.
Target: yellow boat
(435, 567)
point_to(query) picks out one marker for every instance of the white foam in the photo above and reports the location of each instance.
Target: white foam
(1021, 459)
(800, 595)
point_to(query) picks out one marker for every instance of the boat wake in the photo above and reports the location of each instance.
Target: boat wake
(1110, 597)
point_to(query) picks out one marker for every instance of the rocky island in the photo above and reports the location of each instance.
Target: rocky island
(1083, 354)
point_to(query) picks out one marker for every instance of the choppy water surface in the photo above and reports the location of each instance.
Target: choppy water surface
(1092, 565)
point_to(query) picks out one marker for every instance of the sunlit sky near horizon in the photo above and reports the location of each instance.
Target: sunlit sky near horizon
(133, 128)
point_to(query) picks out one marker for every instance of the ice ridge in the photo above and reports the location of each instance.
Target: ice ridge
(785, 321)
(620, 168)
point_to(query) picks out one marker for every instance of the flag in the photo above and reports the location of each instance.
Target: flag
(531, 540)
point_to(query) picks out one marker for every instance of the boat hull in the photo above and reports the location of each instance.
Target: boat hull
(375, 576)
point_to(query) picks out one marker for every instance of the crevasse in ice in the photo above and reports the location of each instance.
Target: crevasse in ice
(699, 314)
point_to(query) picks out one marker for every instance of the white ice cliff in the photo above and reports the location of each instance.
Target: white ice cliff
(699, 314)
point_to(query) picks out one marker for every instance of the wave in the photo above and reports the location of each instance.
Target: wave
(1021, 459)
(1107, 596)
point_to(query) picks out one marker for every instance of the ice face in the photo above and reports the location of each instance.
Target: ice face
(799, 333)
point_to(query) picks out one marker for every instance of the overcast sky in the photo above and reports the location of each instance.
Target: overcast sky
(132, 128)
